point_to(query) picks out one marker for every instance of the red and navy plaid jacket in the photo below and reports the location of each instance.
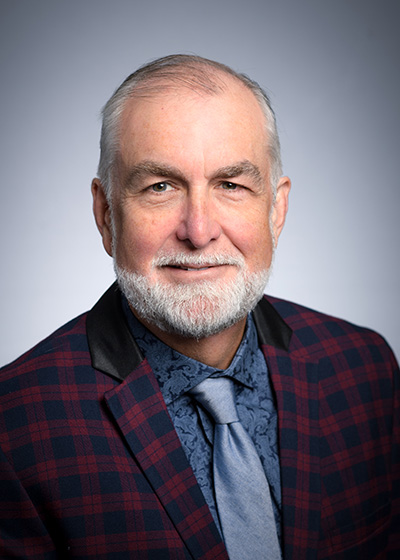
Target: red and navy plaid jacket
(91, 466)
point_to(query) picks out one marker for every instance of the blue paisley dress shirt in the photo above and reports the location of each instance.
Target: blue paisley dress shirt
(177, 374)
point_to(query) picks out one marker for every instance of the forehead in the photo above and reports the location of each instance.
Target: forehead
(181, 121)
(230, 94)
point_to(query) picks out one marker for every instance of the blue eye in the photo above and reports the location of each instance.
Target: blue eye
(227, 185)
(160, 187)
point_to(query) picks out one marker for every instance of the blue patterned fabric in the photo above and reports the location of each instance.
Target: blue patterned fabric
(177, 374)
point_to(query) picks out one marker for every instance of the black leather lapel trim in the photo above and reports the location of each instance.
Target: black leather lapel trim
(114, 351)
(112, 347)
(271, 328)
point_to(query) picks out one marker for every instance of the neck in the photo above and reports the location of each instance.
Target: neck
(216, 351)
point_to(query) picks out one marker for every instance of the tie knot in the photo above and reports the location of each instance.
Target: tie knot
(217, 396)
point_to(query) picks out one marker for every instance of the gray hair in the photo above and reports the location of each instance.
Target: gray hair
(193, 72)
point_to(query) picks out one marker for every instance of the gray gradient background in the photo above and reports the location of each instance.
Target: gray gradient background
(332, 70)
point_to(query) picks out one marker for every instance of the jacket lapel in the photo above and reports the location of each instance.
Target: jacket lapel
(295, 380)
(139, 410)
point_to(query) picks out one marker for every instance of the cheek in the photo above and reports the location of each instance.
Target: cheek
(253, 238)
(139, 238)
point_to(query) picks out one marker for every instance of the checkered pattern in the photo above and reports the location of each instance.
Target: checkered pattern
(91, 466)
(338, 399)
(76, 444)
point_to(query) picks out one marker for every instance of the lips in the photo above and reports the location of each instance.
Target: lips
(196, 269)
(196, 263)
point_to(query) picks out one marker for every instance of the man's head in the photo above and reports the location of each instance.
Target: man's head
(194, 73)
(184, 200)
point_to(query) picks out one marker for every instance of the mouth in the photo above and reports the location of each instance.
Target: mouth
(191, 272)
(191, 269)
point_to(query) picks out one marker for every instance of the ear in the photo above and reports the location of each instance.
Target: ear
(102, 214)
(280, 207)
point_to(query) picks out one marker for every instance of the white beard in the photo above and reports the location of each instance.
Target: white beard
(193, 310)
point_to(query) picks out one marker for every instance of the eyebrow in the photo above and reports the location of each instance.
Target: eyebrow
(244, 167)
(157, 169)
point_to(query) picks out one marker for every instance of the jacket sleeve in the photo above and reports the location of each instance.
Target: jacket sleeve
(23, 534)
(394, 543)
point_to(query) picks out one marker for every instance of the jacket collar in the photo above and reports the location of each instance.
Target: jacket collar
(114, 350)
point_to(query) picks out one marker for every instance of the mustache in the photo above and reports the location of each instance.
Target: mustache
(185, 259)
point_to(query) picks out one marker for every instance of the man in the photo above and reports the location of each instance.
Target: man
(109, 448)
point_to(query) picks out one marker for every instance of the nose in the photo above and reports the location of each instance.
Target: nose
(199, 224)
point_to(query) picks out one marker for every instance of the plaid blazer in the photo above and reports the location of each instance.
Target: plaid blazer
(91, 466)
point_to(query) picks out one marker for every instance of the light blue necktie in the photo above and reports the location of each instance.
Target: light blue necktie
(241, 488)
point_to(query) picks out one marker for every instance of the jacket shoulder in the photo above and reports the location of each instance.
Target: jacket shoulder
(319, 334)
(63, 344)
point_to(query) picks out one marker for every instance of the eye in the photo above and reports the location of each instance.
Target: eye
(160, 187)
(228, 186)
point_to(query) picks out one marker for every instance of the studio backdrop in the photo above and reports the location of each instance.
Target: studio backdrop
(331, 68)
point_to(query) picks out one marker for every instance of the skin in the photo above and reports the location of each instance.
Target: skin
(193, 177)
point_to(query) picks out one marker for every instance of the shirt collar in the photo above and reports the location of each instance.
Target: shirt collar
(176, 373)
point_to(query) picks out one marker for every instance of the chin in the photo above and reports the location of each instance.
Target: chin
(193, 310)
